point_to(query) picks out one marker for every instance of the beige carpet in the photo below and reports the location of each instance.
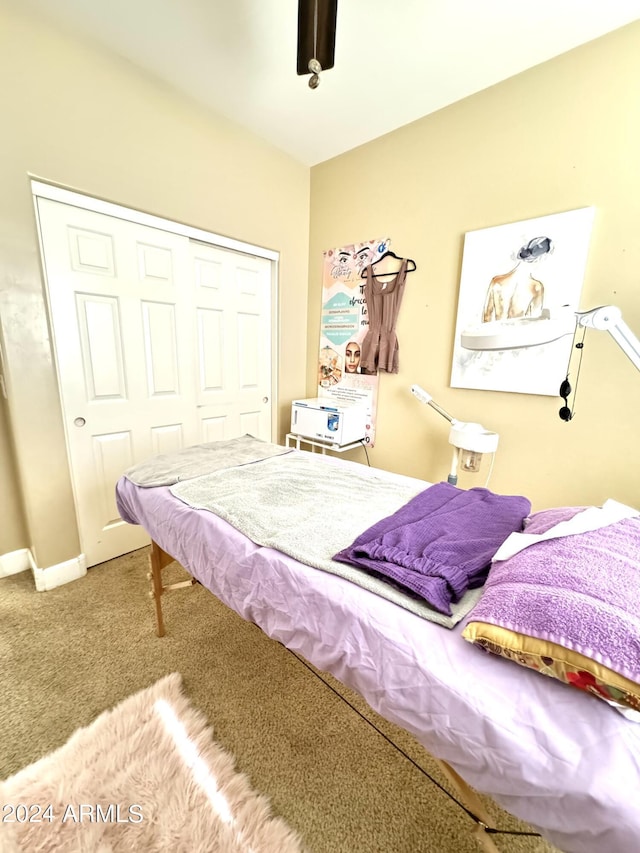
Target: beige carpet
(67, 654)
(144, 776)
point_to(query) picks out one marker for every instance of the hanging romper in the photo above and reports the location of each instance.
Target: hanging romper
(380, 344)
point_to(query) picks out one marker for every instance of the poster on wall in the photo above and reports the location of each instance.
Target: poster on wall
(516, 271)
(343, 325)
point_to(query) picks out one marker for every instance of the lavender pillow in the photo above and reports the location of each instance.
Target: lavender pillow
(569, 607)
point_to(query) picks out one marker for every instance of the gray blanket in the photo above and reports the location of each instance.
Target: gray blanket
(310, 510)
(170, 468)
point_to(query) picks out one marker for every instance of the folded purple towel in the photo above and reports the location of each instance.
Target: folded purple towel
(581, 592)
(440, 543)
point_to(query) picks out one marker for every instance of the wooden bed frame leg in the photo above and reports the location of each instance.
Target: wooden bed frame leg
(475, 805)
(158, 559)
(155, 576)
(484, 840)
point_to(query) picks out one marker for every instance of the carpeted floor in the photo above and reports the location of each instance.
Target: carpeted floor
(68, 654)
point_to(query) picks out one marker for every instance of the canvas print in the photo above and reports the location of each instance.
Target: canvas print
(517, 271)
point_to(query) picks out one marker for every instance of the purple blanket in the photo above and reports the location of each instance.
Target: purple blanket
(440, 543)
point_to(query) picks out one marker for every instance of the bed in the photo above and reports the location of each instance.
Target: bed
(551, 755)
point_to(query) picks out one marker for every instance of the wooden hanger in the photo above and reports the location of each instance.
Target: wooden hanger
(388, 254)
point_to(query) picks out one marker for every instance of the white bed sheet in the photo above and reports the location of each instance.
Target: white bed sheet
(549, 754)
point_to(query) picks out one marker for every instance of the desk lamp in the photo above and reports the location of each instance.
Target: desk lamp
(469, 440)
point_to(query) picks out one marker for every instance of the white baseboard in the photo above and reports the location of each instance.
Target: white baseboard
(14, 562)
(61, 573)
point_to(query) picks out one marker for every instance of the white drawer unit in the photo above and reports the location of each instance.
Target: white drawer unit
(323, 419)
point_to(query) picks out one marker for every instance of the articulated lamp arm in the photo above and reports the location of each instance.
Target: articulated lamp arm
(608, 318)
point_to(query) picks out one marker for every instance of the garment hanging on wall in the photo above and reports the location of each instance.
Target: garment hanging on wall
(383, 298)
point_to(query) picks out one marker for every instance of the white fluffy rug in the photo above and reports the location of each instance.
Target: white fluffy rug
(146, 776)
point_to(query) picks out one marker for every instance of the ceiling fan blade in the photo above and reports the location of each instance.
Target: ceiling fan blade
(316, 40)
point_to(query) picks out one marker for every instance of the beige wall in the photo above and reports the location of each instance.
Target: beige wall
(76, 116)
(561, 136)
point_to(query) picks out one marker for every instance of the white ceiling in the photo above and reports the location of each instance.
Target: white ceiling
(394, 62)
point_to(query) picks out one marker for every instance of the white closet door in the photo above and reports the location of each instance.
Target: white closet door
(233, 310)
(140, 362)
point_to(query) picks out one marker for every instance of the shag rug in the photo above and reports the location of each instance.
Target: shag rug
(146, 776)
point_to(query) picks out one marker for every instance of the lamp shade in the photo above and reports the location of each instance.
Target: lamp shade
(519, 332)
(474, 437)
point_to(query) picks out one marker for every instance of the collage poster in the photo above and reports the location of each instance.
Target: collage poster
(343, 325)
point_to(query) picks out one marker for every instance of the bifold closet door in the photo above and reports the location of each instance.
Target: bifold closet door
(154, 346)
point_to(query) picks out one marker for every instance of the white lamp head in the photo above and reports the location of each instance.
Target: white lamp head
(519, 332)
(470, 440)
